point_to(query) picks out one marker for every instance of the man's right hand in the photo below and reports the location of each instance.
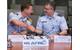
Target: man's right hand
(38, 31)
(30, 27)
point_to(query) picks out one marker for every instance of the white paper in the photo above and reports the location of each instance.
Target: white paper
(65, 39)
(16, 38)
(35, 43)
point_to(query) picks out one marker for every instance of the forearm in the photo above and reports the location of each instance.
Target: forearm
(21, 24)
(18, 23)
(63, 32)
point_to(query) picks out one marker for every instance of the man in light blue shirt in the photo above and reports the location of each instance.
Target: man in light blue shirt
(18, 21)
(51, 23)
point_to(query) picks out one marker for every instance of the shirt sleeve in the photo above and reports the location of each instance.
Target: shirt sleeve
(39, 24)
(63, 24)
(12, 16)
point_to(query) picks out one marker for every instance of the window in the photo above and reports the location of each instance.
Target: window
(40, 2)
(21, 1)
(61, 2)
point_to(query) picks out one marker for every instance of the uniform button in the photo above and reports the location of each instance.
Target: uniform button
(52, 27)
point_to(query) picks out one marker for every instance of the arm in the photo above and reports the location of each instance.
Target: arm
(63, 26)
(63, 32)
(18, 23)
(15, 20)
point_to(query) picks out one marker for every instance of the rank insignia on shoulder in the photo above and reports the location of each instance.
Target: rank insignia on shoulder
(59, 14)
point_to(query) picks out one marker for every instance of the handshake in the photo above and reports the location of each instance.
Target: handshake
(33, 29)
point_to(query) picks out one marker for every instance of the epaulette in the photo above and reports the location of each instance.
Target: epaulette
(16, 13)
(59, 14)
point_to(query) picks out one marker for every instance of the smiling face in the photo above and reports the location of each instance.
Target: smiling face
(28, 11)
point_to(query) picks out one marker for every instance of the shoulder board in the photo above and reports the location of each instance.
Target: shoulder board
(16, 13)
(60, 14)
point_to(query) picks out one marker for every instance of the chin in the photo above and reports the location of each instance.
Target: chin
(49, 14)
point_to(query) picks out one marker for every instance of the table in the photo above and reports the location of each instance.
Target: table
(52, 46)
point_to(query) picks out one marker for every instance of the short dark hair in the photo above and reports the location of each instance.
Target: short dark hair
(53, 4)
(25, 5)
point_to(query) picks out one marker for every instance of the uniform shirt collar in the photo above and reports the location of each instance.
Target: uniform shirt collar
(54, 15)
